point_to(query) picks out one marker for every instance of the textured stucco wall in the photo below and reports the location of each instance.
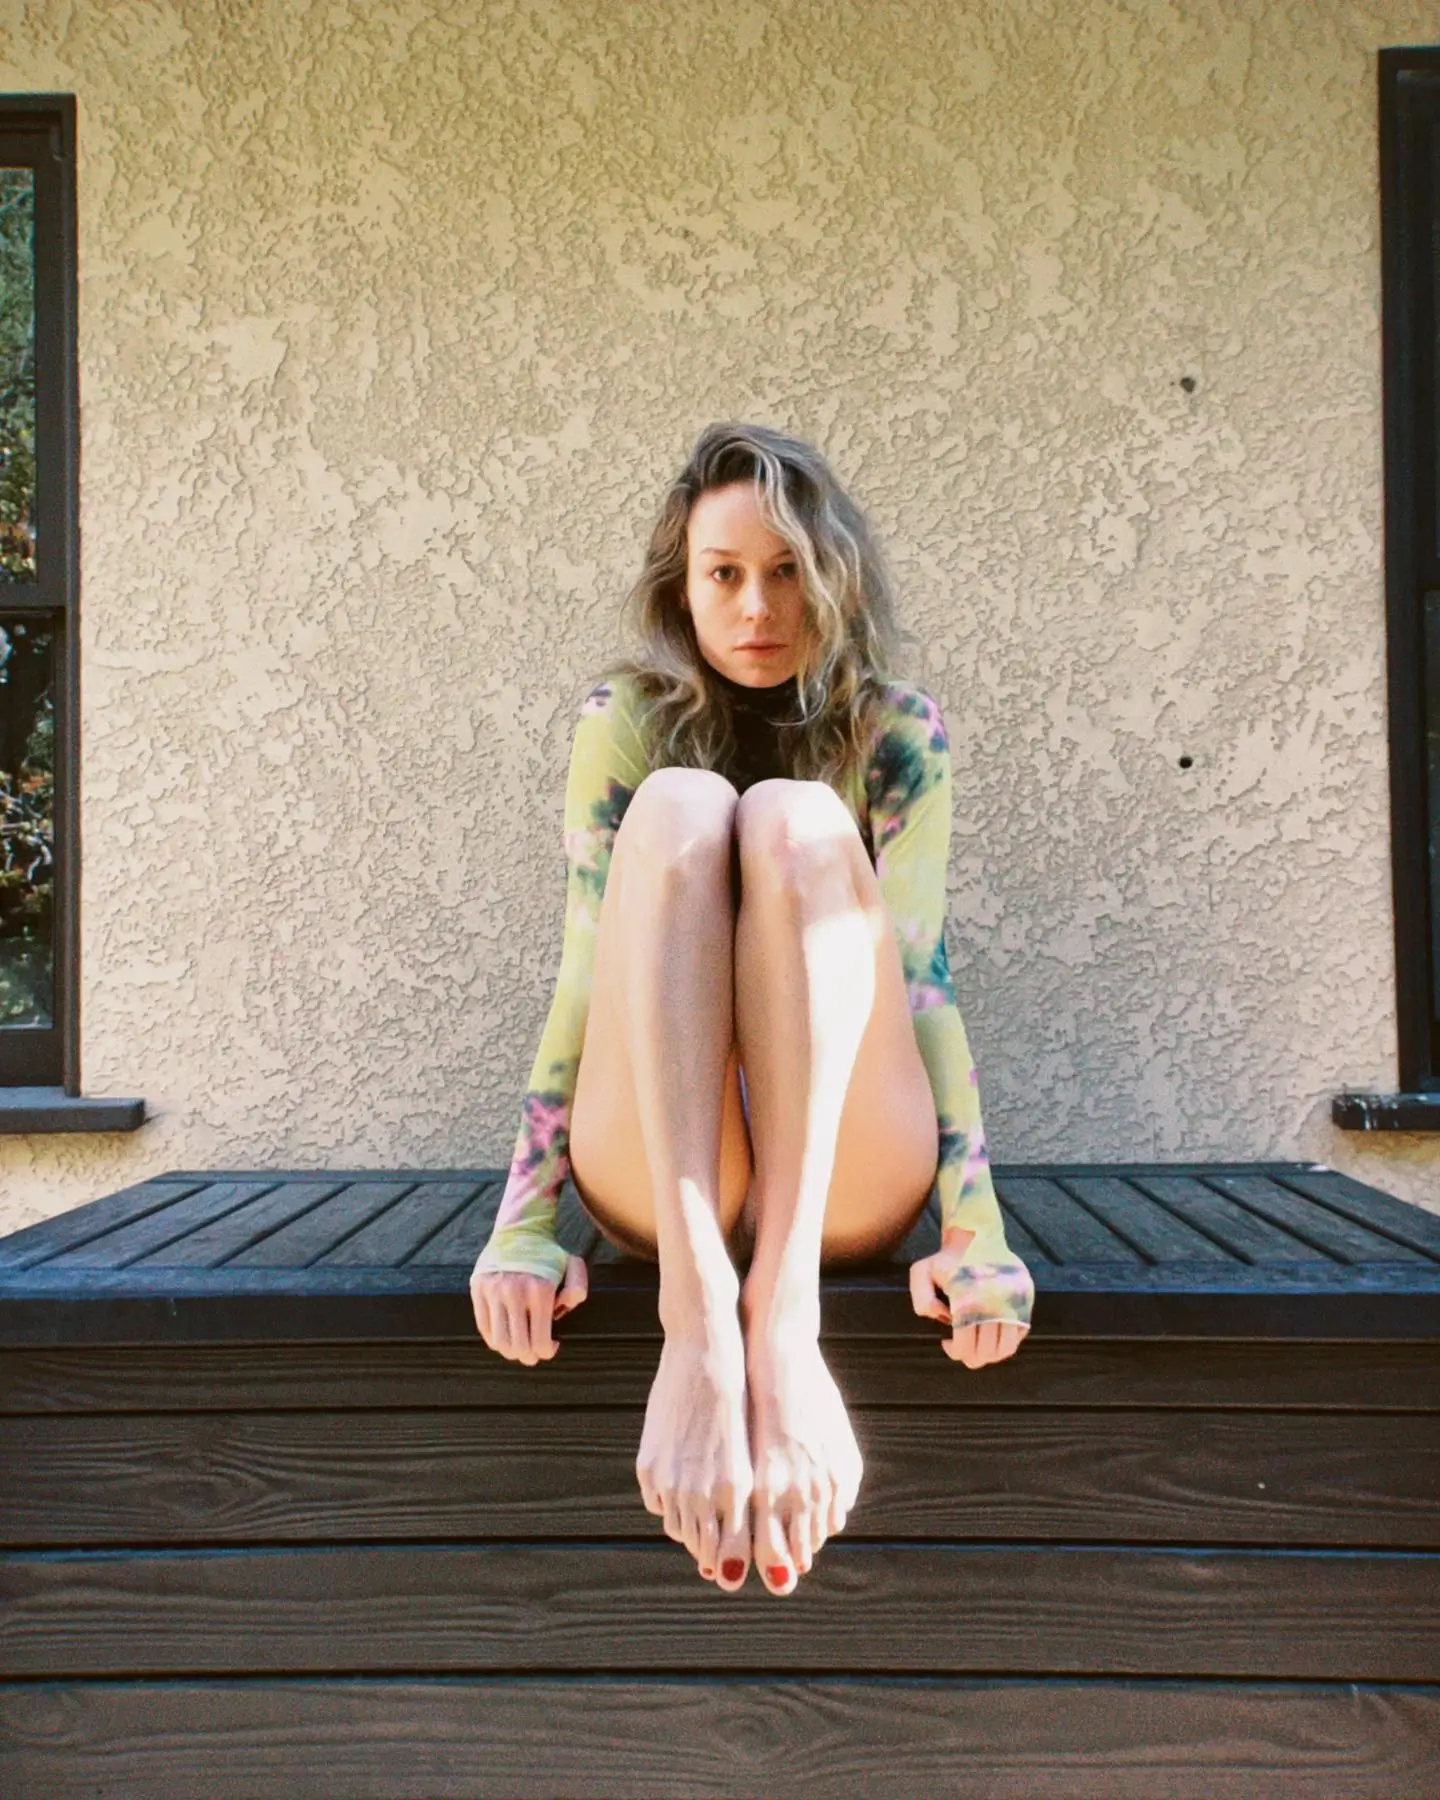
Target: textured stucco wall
(394, 318)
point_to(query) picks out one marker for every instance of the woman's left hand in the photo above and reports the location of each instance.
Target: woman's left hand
(973, 1345)
(976, 1345)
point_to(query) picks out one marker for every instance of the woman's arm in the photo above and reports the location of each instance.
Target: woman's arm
(606, 766)
(908, 786)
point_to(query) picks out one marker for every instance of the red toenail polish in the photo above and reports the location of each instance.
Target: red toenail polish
(733, 1568)
(707, 1573)
(778, 1577)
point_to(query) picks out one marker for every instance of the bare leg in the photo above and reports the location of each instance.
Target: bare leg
(658, 1042)
(831, 1064)
(811, 925)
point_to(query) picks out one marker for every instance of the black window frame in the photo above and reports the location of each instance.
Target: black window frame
(38, 131)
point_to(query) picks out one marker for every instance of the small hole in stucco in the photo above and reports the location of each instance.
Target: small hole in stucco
(1188, 383)
(1187, 762)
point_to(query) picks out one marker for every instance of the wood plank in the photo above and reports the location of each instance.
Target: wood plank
(605, 1257)
(1130, 1212)
(589, 1372)
(1336, 1479)
(1326, 1231)
(1399, 1221)
(150, 1303)
(508, 1608)
(679, 1738)
(1061, 1226)
(401, 1231)
(307, 1239)
(923, 1237)
(574, 1227)
(1131, 1171)
(1022, 1242)
(158, 1298)
(82, 1224)
(1251, 1239)
(128, 1243)
(213, 1244)
(462, 1240)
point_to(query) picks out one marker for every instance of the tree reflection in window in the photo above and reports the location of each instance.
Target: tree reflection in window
(27, 824)
(17, 375)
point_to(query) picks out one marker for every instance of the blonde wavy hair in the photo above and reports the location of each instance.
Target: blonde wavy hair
(846, 649)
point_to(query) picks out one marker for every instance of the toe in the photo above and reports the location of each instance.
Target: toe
(691, 1518)
(648, 1491)
(821, 1511)
(772, 1552)
(709, 1554)
(802, 1536)
(734, 1564)
(673, 1526)
(821, 1507)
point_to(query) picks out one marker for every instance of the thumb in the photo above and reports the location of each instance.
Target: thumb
(574, 1289)
(924, 1278)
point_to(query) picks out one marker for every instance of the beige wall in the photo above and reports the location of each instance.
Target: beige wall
(394, 319)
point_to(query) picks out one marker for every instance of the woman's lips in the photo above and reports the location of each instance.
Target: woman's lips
(759, 646)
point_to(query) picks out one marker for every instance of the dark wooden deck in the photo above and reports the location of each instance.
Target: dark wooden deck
(272, 1519)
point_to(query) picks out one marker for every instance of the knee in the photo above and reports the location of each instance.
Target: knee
(680, 822)
(796, 836)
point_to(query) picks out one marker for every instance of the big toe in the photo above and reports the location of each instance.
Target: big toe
(772, 1552)
(734, 1561)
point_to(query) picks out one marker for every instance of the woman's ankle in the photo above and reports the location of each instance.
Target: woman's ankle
(775, 1310)
(699, 1305)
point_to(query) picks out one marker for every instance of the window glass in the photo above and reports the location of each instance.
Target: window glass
(17, 375)
(27, 824)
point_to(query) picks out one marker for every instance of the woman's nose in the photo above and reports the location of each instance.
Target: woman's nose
(752, 599)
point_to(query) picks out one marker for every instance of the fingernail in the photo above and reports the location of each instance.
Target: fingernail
(778, 1577)
(732, 1568)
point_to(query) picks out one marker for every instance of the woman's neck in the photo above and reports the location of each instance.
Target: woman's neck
(772, 702)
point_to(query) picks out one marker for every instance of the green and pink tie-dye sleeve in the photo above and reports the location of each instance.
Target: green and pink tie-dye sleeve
(908, 794)
(606, 766)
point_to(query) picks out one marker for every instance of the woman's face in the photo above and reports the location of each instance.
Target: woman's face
(744, 589)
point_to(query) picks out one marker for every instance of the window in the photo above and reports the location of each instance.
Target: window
(1410, 284)
(1410, 222)
(38, 566)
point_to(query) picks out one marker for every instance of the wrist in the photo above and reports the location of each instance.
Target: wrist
(546, 1260)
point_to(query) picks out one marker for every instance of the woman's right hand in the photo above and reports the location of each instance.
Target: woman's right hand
(514, 1310)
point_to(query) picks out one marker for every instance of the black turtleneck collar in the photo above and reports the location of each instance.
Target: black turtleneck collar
(757, 715)
(774, 703)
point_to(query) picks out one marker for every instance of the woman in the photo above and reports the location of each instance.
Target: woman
(753, 1048)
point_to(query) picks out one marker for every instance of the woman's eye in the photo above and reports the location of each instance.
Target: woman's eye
(722, 572)
(787, 571)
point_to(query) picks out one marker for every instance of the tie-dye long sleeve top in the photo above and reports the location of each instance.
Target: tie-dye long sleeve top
(901, 804)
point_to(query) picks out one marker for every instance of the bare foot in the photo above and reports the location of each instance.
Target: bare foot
(694, 1461)
(807, 1462)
